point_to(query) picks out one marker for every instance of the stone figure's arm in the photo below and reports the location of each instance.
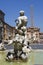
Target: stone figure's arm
(18, 23)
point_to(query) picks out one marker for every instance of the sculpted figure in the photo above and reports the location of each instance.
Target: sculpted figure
(21, 43)
(21, 21)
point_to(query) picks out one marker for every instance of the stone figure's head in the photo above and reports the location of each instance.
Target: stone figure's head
(21, 13)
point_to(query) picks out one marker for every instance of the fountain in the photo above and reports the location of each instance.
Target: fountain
(21, 43)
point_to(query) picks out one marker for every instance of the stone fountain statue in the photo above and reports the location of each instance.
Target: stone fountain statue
(21, 43)
(2, 48)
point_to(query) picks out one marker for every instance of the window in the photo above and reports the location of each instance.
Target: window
(36, 35)
(1, 24)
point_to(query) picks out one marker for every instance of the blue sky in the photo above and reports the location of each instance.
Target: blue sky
(11, 9)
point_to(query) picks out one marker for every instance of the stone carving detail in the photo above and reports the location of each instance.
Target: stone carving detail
(21, 43)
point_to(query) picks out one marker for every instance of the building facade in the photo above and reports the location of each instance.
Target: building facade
(6, 31)
(33, 34)
(41, 37)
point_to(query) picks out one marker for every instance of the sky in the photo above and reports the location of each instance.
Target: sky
(11, 9)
